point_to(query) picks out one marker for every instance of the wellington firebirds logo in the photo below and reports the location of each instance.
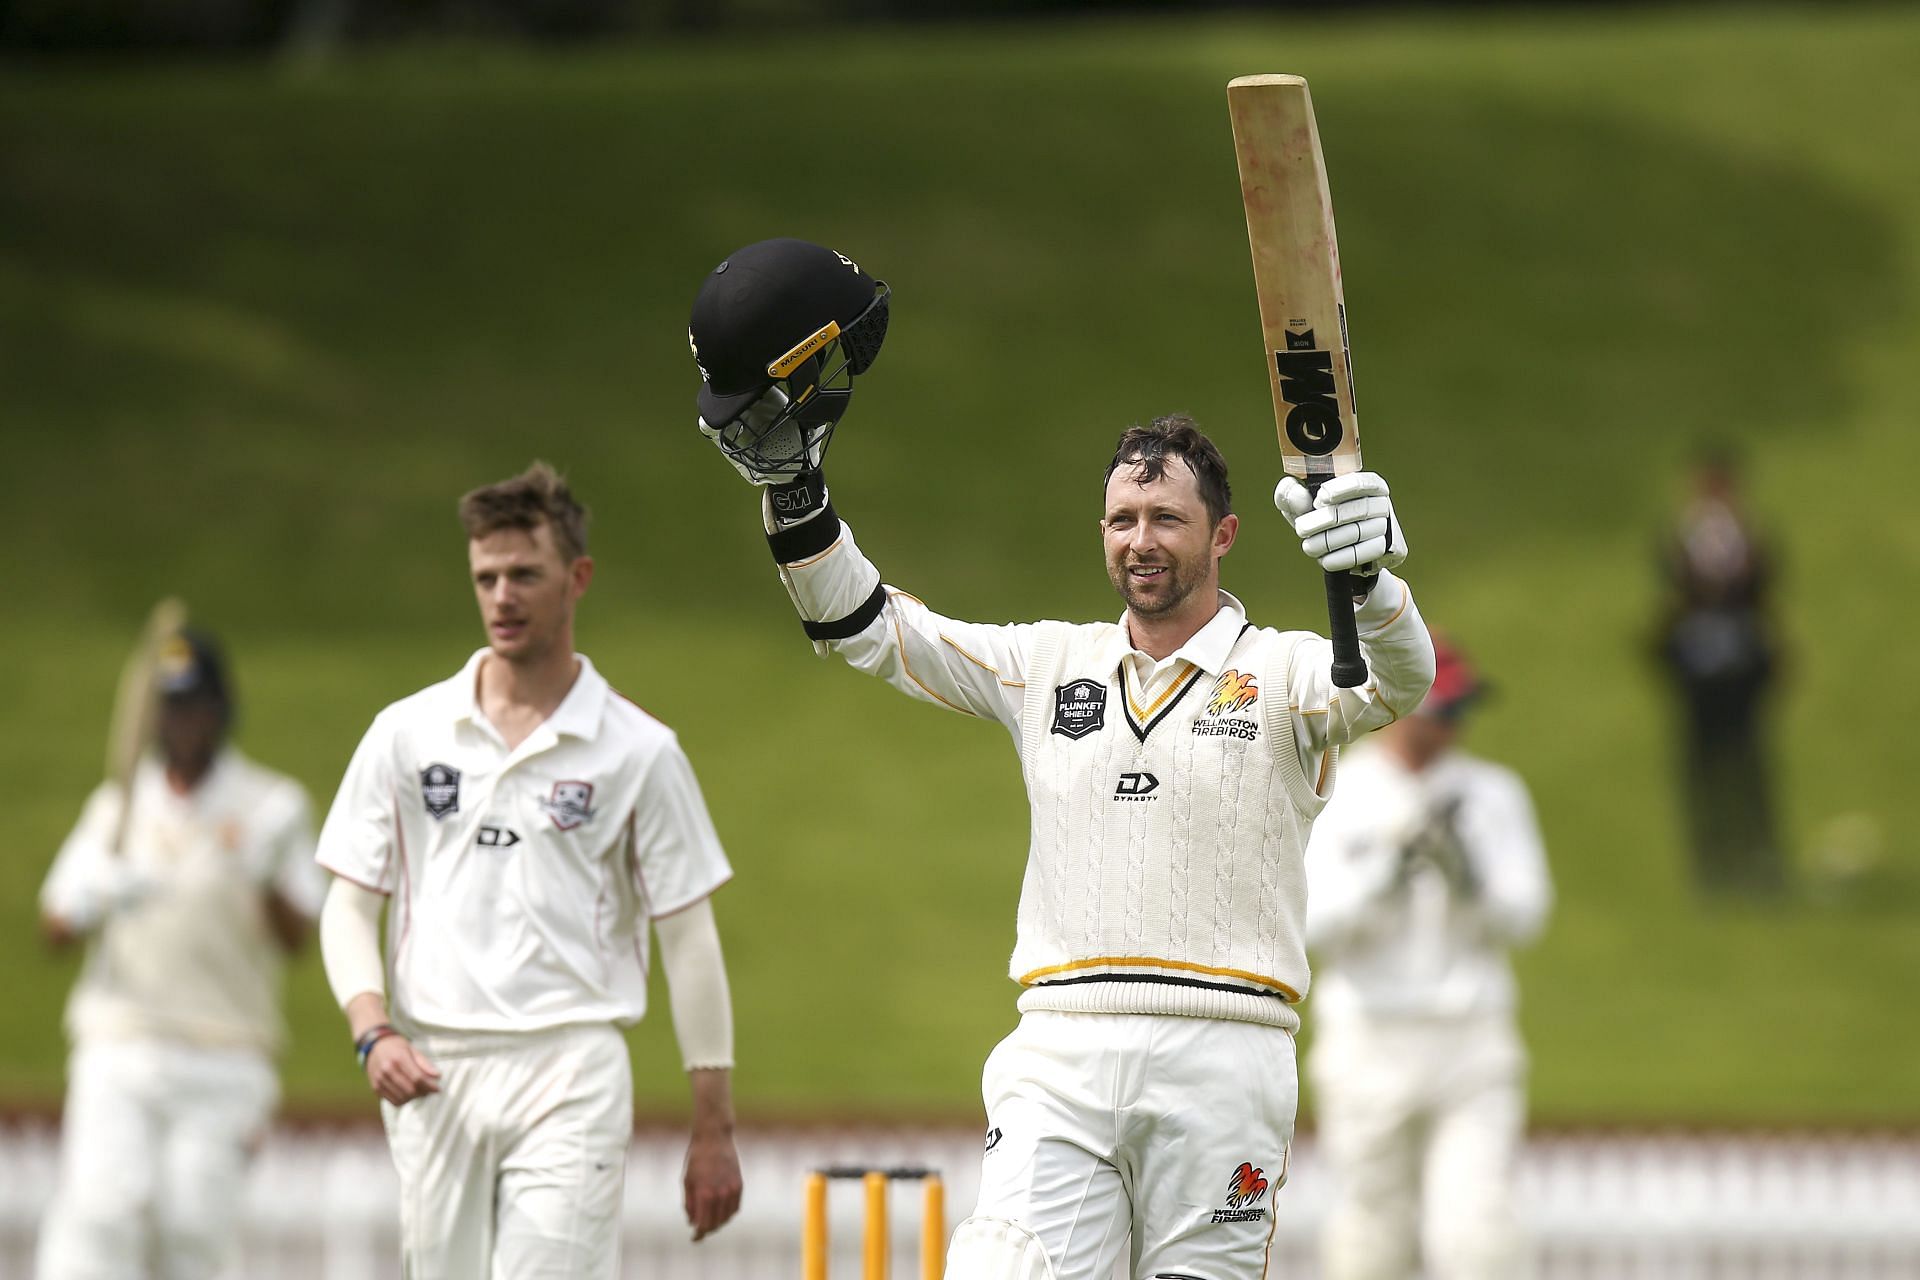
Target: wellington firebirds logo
(1233, 691)
(1245, 1189)
(570, 804)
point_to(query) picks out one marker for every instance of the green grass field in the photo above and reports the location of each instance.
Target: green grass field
(258, 330)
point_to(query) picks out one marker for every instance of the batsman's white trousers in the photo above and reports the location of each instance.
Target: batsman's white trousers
(1173, 1130)
(1421, 1120)
(514, 1170)
(155, 1142)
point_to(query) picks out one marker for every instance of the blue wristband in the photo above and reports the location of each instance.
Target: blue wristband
(371, 1037)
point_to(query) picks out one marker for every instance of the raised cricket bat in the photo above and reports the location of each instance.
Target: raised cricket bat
(136, 707)
(1303, 311)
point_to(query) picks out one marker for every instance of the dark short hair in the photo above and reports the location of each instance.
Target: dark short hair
(1175, 435)
(535, 495)
(192, 668)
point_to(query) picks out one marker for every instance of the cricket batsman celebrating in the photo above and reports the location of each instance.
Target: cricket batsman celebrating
(1174, 761)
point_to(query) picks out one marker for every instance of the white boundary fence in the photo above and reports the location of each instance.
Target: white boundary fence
(1626, 1206)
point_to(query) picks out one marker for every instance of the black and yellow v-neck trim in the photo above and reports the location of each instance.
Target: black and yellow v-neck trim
(1141, 714)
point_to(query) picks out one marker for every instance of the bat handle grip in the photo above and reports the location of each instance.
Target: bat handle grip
(1349, 668)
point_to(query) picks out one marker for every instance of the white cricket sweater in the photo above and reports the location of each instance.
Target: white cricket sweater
(1171, 800)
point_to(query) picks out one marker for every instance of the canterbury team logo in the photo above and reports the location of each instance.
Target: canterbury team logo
(570, 804)
(1246, 1187)
(1232, 692)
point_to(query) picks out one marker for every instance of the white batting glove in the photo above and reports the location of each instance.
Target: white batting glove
(784, 450)
(1348, 526)
(114, 887)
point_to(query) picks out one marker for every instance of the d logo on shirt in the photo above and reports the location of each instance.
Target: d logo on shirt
(440, 790)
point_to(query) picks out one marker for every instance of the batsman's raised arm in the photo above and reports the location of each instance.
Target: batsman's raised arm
(1393, 639)
(969, 667)
(743, 330)
(1349, 526)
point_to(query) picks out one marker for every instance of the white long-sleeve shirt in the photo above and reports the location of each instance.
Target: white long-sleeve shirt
(978, 668)
(1394, 934)
(1168, 831)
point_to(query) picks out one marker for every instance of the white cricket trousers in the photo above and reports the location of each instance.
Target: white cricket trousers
(515, 1169)
(1421, 1120)
(1172, 1131)
(155, 1143)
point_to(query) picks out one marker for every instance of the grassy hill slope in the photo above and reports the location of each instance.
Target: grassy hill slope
(257, 331)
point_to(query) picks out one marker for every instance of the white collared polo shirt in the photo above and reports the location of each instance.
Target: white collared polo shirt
(521, 880)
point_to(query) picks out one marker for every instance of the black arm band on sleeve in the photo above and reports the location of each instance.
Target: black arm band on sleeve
(854, 623)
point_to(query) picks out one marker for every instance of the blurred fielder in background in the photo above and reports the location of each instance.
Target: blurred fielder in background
(188, 886)
(1720, 646)
(1174, 760)
(526, 822)
(1426, 866)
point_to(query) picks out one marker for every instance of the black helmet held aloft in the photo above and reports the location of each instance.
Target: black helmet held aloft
(790, 313)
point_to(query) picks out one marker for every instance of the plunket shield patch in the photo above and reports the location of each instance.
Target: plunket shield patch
(440, 790)
(1079, 708)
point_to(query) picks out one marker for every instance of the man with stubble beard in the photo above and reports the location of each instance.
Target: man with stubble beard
(1174, 759)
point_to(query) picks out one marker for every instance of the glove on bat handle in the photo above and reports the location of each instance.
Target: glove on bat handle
(1349, 668)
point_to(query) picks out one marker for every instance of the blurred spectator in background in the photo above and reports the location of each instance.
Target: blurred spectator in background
(1717, 641)
(176, 1015)
(1424, 869)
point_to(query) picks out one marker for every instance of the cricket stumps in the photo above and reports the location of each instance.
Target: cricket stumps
(876, 1182)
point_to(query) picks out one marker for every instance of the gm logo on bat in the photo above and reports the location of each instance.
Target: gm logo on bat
(1306, 384)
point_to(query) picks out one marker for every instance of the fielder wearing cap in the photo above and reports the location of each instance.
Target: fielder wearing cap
(1424, 869)
(523, 825)
(175, 1018)
(1175, 759)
